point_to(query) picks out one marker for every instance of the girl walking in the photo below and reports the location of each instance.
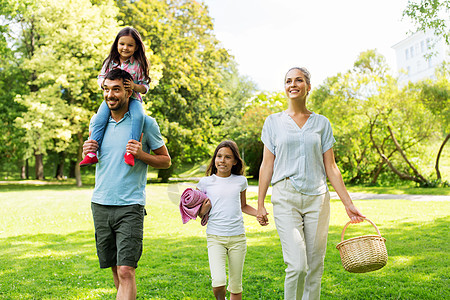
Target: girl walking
(127, 53)
(226, 189)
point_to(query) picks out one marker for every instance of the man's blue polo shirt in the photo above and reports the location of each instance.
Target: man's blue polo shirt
(117, 183)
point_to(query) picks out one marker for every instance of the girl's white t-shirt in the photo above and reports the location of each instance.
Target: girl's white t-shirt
(225, 216)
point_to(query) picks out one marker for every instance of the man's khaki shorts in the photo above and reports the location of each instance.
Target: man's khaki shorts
(119, 232)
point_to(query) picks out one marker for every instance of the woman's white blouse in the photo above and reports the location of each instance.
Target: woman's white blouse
(299, 151)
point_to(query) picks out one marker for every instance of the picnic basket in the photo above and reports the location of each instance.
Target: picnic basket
(363, 253)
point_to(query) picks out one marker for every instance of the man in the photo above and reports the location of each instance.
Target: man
(119, 196)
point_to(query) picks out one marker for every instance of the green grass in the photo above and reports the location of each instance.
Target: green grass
(410, 189)
(399, 190)
(192, 170)
(47, 250)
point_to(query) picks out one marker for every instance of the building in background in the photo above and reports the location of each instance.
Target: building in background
(419, 55)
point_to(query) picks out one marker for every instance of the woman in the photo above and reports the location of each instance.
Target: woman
(298, 157)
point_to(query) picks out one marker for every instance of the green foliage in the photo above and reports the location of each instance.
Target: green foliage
(435, 95)
(195, 85)
(67, 48)
(378, 127)
(238, 91)
(337, 99)
(430, 14)
(51, 53)
(245, 129)
(12, 144)
(12, 81)
(57, 53)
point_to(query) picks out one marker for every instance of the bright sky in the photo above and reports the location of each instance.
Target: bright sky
(267, 37)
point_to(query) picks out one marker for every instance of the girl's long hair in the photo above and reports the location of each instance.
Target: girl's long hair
(237, 169)
(139, 54)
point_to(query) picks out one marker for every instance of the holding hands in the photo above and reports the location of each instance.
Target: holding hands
(261, 216)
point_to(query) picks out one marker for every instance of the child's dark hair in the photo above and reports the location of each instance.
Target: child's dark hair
(139, 54)
(237, 169)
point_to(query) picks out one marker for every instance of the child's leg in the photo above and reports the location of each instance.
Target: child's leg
(98, 130)
(220, 292)
(137, 119)
(236, 257)
(137, 124)
(217, 256)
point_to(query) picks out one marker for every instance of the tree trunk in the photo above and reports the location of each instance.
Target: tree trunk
(418, 177)
(436, 167)
(79, 155)
(377, 173)
(355, 179)
(27, 172)
(60, 166)
(380, 167)
(165, 174)
(39, 167)
(379, 150)
(72, 165)
(23, 170)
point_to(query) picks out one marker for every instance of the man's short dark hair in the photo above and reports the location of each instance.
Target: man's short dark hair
(118, 74)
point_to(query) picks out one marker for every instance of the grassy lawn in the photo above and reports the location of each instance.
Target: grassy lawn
(47, 250)
(399, 190)
(88, 183)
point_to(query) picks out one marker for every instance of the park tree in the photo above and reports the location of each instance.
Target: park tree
(431, 15)
(398, 129)
(245, 128)
(379, 127)
(180, 34)
(435, 96)
(61, 45)
(339, 98)
(12, 82)
(399, 123)
(343, 99)
(239, 90)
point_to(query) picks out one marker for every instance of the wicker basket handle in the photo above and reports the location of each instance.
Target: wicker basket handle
(349, 222)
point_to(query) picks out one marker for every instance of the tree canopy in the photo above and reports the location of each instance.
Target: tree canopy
(430, 15)
(58, 47)
(380, 127)
(52, 51)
